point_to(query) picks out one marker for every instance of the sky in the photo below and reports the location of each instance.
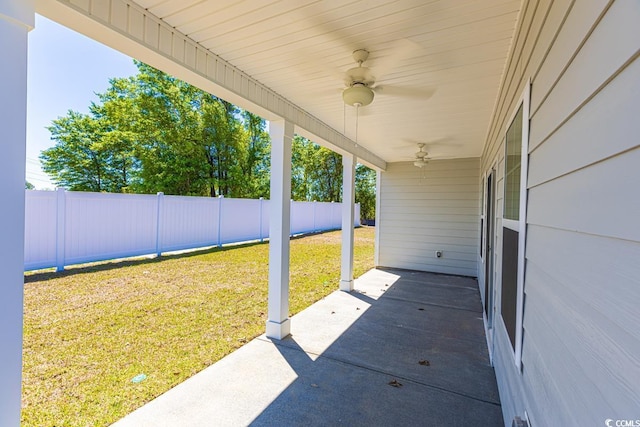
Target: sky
(65, 70)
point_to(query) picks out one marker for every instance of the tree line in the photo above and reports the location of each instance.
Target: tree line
(152, 132)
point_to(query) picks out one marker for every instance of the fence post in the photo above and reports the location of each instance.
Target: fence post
(160, 202)
(220, 197)
(260, 219)
(60, 228)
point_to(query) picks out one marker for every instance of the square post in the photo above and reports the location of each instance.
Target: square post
(278, 323)
(17, 18)
(378, 223)
(348, 200)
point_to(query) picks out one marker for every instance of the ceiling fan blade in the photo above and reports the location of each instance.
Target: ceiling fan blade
(383, 63)
(445, 141)
(441, 158)
(405, 92)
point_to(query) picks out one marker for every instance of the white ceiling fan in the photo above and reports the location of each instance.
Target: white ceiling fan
(361, 81)
(422, 158)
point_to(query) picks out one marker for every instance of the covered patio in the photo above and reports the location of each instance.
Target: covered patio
(403, 348)
(288, 62)
(503, 133)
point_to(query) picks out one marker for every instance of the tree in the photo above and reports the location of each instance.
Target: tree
(152, 132)
(77, 161)
(316, 172)
(118, 113)
(28, 185)
(366, 191)
(257, 163)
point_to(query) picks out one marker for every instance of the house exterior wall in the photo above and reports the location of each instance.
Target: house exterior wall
(581, 341)
(425, 210)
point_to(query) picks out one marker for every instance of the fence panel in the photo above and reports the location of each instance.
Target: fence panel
(265, 220)
(240, 220)
(302, 217)
(323, 216)
(40, 229)
(101, 226)
(65, 227)
(187, 222)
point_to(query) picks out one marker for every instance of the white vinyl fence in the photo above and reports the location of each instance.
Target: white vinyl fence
(65, 227)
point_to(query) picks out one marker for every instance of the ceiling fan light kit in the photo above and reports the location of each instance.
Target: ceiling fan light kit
(358, 95)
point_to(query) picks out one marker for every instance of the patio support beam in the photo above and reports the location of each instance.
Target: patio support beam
(278, 323)
(348, 200)
(16, 20)
(376, 251)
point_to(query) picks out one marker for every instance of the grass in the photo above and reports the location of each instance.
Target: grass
(91, 329)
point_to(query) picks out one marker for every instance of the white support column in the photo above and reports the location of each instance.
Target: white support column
(348, 200)
(16, 19)
(376, 253)
(278, 323)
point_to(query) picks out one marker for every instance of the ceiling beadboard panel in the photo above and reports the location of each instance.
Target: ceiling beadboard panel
(437, 64)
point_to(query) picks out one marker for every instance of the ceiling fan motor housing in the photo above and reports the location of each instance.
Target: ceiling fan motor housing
(360, 55)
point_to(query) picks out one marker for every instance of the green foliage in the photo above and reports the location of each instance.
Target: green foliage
(152, 132)
(83, 161)
(28, 185)
(257, 165)
(366, 191)
(316, 172)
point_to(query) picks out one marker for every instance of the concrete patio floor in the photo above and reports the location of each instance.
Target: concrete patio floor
(343, 356)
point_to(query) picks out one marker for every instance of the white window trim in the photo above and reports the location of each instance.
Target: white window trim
(511, 224)
(524, 173)
(521, 224)
(483, 220)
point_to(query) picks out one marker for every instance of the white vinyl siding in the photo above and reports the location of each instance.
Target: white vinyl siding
(581, 345)
(430, 209)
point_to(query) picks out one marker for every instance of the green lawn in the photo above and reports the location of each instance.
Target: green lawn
(89, 330)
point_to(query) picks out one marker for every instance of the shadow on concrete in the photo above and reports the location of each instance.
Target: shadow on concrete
(415, 355)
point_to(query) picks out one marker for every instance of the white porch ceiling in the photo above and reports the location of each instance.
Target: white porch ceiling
(301, 48)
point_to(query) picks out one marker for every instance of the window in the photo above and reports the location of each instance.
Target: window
(514, 224)
(482, 207)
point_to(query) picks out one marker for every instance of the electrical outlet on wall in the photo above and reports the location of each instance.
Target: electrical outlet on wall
(438, 254)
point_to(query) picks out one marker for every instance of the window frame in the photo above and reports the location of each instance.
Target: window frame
(483, 203)
(520, 225)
